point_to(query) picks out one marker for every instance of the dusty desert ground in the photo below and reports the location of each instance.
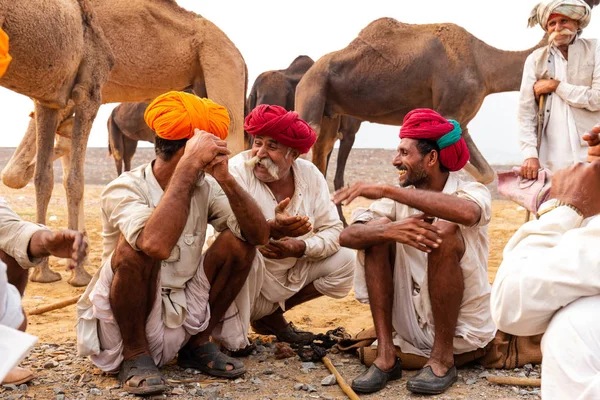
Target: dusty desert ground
(60, 374)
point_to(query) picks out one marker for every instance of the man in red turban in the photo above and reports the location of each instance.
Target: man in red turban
(423, 257)
(303, 259)
(157, 295)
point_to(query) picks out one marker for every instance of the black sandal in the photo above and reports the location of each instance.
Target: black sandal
(135, 372)
(374, 379)
(199, 358)
(290, 334)
(426, 382)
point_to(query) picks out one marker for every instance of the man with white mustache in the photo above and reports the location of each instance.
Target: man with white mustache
(567, 73)
(303, 259)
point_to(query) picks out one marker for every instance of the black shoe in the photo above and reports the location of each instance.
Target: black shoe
(374, 379)
(426, 382)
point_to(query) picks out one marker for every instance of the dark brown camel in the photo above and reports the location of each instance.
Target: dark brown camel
(278, 87)
(393, 67)
(126, 126)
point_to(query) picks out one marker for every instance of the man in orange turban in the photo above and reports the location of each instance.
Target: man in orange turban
(303, 259)
(424, 265)
(4, 56)
(157, 295)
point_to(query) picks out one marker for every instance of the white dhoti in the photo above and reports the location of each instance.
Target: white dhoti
(331, 276)
(573, 333)
(11, 311)
(99, 335)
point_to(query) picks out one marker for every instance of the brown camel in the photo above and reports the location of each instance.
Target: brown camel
(126, 126)
(162, 47)
(393, 67)
(278, 87)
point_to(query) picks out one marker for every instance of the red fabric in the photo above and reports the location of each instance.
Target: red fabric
(557, 15)
(284, 126)
(423, 123)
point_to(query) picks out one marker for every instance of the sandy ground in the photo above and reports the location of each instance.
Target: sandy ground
(267, 378)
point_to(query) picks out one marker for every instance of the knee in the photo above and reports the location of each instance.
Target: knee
(242, 253)
(127, 258)
(452, 239)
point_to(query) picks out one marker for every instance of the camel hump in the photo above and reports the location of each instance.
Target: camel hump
(298, 67)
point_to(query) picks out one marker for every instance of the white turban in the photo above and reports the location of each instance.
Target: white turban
(576, 10)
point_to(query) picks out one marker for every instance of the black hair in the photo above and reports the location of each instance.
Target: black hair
(166, 149)
(425, 146)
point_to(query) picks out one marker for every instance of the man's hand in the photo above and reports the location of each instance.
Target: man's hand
(530, 168)
(62, 244)
(579, 185)
(285, 225)
(202, 148)
(218, 168)
(545, 86)
(593, 140)
(284, 248)
(415, 231)
(346, 195)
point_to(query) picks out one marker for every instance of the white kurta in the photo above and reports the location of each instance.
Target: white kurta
(549, 282)
(561, 144)
(127, 203)
(412, 317)
(325, 264)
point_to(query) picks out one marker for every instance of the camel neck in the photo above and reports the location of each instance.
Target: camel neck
(502, 70)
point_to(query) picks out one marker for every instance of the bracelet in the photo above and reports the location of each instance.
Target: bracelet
(557, 204)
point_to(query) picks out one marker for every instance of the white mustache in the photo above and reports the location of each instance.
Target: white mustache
(266, 162)
(564, 32)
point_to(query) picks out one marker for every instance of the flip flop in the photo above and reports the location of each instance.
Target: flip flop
(375, 379)
(135, 372)
(199, 358)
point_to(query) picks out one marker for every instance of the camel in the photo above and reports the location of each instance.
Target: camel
(162, 47)
(126, 126)
(278, 87)
(393, 67)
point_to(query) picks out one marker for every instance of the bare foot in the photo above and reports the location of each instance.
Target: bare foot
(79, 277)
(44, 274)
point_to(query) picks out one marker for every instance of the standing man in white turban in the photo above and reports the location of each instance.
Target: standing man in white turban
(567, 73)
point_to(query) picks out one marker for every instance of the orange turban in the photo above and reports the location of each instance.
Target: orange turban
(4, 56)
(175, 115)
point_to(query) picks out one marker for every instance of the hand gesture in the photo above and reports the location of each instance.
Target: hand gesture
(544, 86)
(579, 185)
(283, 248)
(346, 195)
(202, 148)
(416, 232)
(218, 168)
(593, 140)
(63, 244)
(286, 225)
(530, 168)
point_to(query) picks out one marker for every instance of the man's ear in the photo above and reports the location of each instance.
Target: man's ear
(432, 158)
(295, 154)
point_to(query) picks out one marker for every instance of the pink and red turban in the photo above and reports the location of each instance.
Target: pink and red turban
(423, 123)
(284, 126)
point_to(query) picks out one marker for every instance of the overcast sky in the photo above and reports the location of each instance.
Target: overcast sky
(270, 34)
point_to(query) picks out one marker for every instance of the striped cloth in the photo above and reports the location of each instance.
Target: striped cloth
(577, 10)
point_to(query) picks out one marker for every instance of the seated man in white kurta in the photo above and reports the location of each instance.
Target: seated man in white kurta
(549, 281)
(425, 257)
(303, 259)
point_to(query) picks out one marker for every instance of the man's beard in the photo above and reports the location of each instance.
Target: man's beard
(560, 38)
(266, 162)
(416, 177)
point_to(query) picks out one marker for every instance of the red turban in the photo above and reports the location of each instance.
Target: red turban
(424, 123)
(175, 115)
(284, 126)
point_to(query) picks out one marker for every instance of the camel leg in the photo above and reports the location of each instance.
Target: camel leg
(129, 148)
(325, 142)
(20, 168)
(84, 116)
(346, 144)
(478, 167)
(46, 122)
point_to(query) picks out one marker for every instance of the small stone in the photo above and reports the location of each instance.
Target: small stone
(310, 389)
(329, 380)
(471, 381)
(268, 372)
(514, 389)
(95, 392)
(522, 374)
(523, 392)
(177, 391)
(74, 377)
(60, 396)
(10, 386)
(338, 364)
(309, 365)
(123, 394)
(59, 391)
(85, 378)
(23, 387)
(528, 366)
(261, 358)
(484, 375)
(239, 380)
(260, 349)
(256, 381)
(51, 364)
(188, 371)
(300, 386)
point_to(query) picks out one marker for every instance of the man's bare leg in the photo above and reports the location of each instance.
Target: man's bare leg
(17, 275)
(446, 287)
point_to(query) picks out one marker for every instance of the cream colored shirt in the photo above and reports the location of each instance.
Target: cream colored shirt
(15, 235)
(127, 203)
(474, 319)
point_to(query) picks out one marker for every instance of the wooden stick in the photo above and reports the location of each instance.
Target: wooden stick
(55, 306)
(510, 380)
(340, 381)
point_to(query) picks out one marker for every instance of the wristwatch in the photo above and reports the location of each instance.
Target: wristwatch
(553, 204)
